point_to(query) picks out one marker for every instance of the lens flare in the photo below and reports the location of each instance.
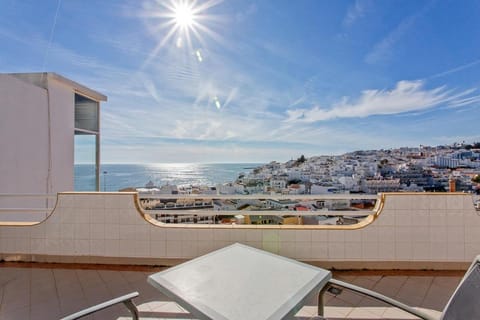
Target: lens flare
(217, 102)
(198, 53)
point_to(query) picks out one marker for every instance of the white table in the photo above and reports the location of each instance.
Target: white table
(241, 282)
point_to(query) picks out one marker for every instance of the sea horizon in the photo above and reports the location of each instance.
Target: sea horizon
(117, 176)
(146, 163)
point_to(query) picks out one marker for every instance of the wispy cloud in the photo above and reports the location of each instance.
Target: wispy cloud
(456, 69)
(461, 101)
(250, 10)
(407, 96)
(357, 11)
(383, 50)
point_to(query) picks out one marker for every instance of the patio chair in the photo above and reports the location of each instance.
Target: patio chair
(463, 304)
(126, 300)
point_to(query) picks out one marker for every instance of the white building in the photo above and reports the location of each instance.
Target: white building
(294, 174)
(349, 183)
(45, 120)
(230, 188)
(446, 162)
(278, 184)
(318, 189)
(382, 185)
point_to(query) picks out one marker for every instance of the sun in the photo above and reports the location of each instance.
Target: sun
(184, 15)
(183, 23)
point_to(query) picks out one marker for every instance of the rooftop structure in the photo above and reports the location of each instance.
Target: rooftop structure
(46, 121)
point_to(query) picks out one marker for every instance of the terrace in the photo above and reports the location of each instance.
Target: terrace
(95, 246)
(49, 292)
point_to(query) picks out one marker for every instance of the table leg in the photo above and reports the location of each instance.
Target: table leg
(320, 300)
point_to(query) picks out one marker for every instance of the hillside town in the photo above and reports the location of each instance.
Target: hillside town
(454, 168)
(422, 169)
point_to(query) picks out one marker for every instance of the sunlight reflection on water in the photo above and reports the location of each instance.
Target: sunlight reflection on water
(121, 176)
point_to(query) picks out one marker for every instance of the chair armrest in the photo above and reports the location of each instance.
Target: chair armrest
(381, 297)
(126, 300)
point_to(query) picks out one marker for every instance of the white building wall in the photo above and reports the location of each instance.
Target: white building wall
(23, 137)
(35, 159)
(24, 161)
(278, 184)
(316, 189)
(62, 101)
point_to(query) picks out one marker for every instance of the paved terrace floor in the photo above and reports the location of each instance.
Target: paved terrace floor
(33, 291)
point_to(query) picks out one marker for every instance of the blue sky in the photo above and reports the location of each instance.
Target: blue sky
(255, 81)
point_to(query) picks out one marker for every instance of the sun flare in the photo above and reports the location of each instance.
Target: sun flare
(183, 23)
(184, 30)
(187, 20)
(184, 15)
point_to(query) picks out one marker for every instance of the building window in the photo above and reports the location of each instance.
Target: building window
(87, 144)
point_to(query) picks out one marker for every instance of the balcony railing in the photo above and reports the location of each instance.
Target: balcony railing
(26, 207)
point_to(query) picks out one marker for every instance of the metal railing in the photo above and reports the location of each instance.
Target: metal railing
(31, 207)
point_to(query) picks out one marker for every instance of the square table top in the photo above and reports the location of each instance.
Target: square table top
(241, 282)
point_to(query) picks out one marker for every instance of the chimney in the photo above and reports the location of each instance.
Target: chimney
(451, 184)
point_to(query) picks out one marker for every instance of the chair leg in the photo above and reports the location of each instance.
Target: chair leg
(132, 308)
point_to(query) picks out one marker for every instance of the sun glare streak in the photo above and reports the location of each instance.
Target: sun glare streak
(212, 34)
(159, 46)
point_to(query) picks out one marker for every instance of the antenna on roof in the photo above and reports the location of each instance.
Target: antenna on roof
(50, 40)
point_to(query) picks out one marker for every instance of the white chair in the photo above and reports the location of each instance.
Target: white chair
(126, 300)
(464, 304)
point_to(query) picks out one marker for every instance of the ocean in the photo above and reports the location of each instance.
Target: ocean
(114, 177)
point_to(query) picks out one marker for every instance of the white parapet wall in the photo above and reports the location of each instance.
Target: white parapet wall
(408, 231)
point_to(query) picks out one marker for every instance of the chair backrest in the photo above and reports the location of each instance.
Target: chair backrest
(465, 301)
